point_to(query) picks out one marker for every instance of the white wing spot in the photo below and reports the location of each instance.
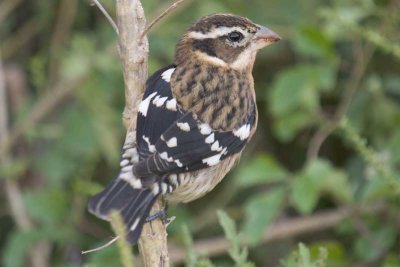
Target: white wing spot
(152, 148)
(210, 138)
(173, 142)
(166, 75)
(136, 183)
(127, 176)
(124, 162)
(130, 153)
(164, 156)
(171, 104)
(205, 129)
(156, 189)
(144, 105)
(164, 188)
(135, 224)
(213, 160)
(178, 163)
(132, 180)
(184, 126)
(215, 146)
(243, 132)
(173, 178)
(128, 168)
(159, 101)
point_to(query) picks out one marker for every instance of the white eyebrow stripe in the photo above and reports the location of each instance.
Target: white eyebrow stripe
(216, 32)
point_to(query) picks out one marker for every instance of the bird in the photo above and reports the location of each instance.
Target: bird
(193, 122)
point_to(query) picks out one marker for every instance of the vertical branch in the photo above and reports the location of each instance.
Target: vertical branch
(133, 53)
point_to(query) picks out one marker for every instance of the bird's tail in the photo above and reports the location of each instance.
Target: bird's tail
(133, 204)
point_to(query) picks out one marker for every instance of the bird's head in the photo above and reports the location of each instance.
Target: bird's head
(224, 40)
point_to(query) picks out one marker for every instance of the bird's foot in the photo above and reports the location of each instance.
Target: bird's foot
(161, 214)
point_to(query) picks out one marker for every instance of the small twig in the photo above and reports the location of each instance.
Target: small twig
(162, 15)
(361, 61)
(101, 247)
(105, 13)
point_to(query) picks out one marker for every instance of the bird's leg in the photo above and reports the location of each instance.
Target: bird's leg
(161, 214)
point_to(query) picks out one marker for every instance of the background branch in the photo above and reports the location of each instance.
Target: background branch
(283, 229)
(105, 13)
(161, 16)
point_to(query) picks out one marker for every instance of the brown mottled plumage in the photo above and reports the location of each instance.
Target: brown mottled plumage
(194, 121)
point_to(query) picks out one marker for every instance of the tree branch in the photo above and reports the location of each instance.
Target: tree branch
(105, 13)
(361, 59)
(280, 230)
(133, 53)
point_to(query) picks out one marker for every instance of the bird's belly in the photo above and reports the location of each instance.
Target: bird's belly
(195, 184)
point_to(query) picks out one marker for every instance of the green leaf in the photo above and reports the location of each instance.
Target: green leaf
(261, 210)
(302, 258)
(261, 169)
(288, 125)
(305, 193)
(17, 247)
(311, 41)
(238, 254)
(317, 177)
(383, 238)
(230, 231)
(49, 207)
(294, 97)
(336, 252)
(298, 87)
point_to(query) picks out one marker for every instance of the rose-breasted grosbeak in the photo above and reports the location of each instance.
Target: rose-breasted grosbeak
(195, 118)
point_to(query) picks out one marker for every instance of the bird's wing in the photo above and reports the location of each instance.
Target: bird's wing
(157, 111)
(172, 140)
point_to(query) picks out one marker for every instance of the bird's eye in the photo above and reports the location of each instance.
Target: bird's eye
(235, 36)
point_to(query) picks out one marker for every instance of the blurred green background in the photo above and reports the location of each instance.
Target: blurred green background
(323, 169)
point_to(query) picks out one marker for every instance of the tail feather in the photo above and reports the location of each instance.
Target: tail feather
(135, 220)
(115, 196)
(133, 204)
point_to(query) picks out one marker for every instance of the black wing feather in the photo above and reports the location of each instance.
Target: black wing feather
(157, 119)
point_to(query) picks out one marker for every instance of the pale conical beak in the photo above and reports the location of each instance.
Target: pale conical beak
(266, 36)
